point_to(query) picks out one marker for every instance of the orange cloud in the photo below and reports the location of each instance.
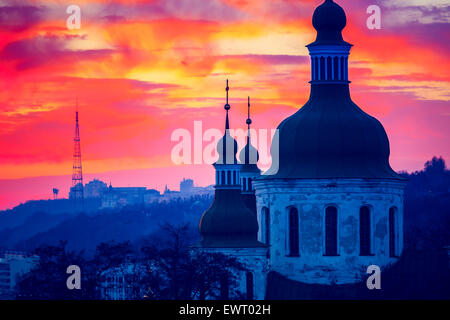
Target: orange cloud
(141, 69)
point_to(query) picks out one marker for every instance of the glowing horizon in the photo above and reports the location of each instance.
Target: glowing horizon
(141, 69)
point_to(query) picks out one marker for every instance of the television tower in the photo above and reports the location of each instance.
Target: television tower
(77, 195)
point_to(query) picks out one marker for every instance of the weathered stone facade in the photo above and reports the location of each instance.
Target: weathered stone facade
(310, 198)
(255, 260)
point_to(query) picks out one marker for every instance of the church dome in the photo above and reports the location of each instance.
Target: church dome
(228, 221)
(249, 155)
(329, 20)
(331, 137)
(227, 148)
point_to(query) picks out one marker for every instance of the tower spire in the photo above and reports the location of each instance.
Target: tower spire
(248, 121)
(227, 107)
(77, 194)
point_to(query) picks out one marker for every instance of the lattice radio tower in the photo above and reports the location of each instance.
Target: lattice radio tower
(77, 194)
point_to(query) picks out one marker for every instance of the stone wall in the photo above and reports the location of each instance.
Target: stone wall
(255, 260)
(310, 198)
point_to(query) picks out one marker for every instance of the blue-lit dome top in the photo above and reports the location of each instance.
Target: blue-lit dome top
(227, 148)
(249, 154)
(329, 20)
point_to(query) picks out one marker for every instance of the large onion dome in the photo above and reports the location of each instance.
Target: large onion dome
(331, 137)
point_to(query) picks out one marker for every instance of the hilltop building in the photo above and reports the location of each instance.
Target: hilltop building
(187, 186)
(122, 196)
(94, 189)
(117, 197)
(331, 205)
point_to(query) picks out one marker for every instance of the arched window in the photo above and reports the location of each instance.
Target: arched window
(249, 285)
(293, 232)
(393, 232)
(364, 231)
(331, 231)
(266, 228)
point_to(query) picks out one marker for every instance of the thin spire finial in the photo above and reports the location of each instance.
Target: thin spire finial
(249, 121)
(248, 108)
(227, 107)
(228, 88)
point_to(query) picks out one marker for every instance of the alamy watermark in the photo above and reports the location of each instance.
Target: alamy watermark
(74, 19)
(374, 20)
(74, 280)
(374, 280)
(200, 146)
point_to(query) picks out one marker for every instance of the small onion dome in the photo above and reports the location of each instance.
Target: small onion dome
(228, 222)
(227, 148)
(329, 20)
(249, 157)
(249, 154)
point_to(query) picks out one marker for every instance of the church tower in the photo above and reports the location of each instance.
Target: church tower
(332, 205)
(249, 170)
(228, 226)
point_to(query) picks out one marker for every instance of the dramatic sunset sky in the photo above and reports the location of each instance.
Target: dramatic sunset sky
(141, 69)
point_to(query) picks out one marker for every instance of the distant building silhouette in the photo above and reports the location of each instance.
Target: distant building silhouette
(117, 197)
(94, 189)
(122, 196)
(12, 266)
(186, 186)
